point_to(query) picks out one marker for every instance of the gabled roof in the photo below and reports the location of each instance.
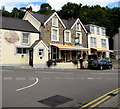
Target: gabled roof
(40, 17)
(69, 23)
(17, 24)
(45, 18)
(34, 45)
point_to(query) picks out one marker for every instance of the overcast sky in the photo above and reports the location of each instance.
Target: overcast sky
(56, 4)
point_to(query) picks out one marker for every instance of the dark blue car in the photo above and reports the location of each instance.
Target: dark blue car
(100, 64)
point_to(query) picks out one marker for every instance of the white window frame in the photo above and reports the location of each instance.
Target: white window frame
(93, 43)
(103, 32)
(25, 38)
(55, 21)
(104, 45)
(79, 38)
(92, 30)
(57, 34)
(78, 27)
(69, 35)
(98, 30)
(22, 50)
(42, 53)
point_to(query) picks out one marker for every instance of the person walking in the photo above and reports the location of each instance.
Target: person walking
(81, 62)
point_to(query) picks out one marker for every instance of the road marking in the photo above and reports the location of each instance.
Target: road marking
(8, 78)
(99, 78)
(20, 78)
(28, 86)
(100, 98)
(90, 78)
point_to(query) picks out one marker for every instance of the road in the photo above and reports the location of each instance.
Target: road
(55, 88)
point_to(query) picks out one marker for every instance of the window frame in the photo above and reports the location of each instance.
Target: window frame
(28, 39)
(56, 22)
(56, 53)
(78, 38)
(92, 28)
(103, 32)
(69, 36)
(42, 53)
(93, 43)
(78, 27)
(27, 48)
(104, 45)
(98, 30)
(57, 35)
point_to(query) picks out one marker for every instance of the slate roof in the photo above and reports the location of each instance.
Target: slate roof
(17, 24)
(41, 17)
(69, 23)
(35, 43)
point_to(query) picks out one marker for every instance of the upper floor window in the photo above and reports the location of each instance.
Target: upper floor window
(103, 42)
(98, 30)
(55, 21)
(41, 52)
(93, 42)
(78, 28)
(25, 38)
(67, 36)
(91, 29)
(103, 32)
(78, 39)
(20, 50)
(55, 36)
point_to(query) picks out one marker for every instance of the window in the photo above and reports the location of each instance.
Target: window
(54, 53)
(98, 30)
(103, 42)
(20, 50)
(55, 21)
(93, 41)
(78, 27)
(25, 38)
(103, 32)
(40, 52)
(78, 39)
(54, 34)
(67, 36)
(91, 29)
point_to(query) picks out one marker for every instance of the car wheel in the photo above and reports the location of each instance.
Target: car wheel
(110, 67)
(101, 67)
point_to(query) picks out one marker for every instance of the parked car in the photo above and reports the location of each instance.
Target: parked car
(100, 64)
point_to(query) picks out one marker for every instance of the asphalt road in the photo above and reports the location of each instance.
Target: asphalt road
(66, 88)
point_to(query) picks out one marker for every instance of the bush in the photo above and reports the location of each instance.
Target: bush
(49, 63)
(75, 61)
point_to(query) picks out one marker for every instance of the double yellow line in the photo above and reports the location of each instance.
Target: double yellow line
(99, 100)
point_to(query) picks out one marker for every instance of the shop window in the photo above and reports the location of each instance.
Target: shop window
(54, 53)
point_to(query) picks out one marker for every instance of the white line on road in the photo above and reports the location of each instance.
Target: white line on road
(20, 78)
(98, 78)
(90, 78)
(80, 78)
(69, 78)
(8, 78)
(45, 78)
(57, 78)
(28, 86)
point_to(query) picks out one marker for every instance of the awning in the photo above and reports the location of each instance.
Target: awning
(63, 47)
(102, 50)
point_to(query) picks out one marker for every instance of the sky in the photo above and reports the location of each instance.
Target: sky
(56, 4)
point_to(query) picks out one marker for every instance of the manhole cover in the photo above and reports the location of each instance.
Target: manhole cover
(55, 100)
